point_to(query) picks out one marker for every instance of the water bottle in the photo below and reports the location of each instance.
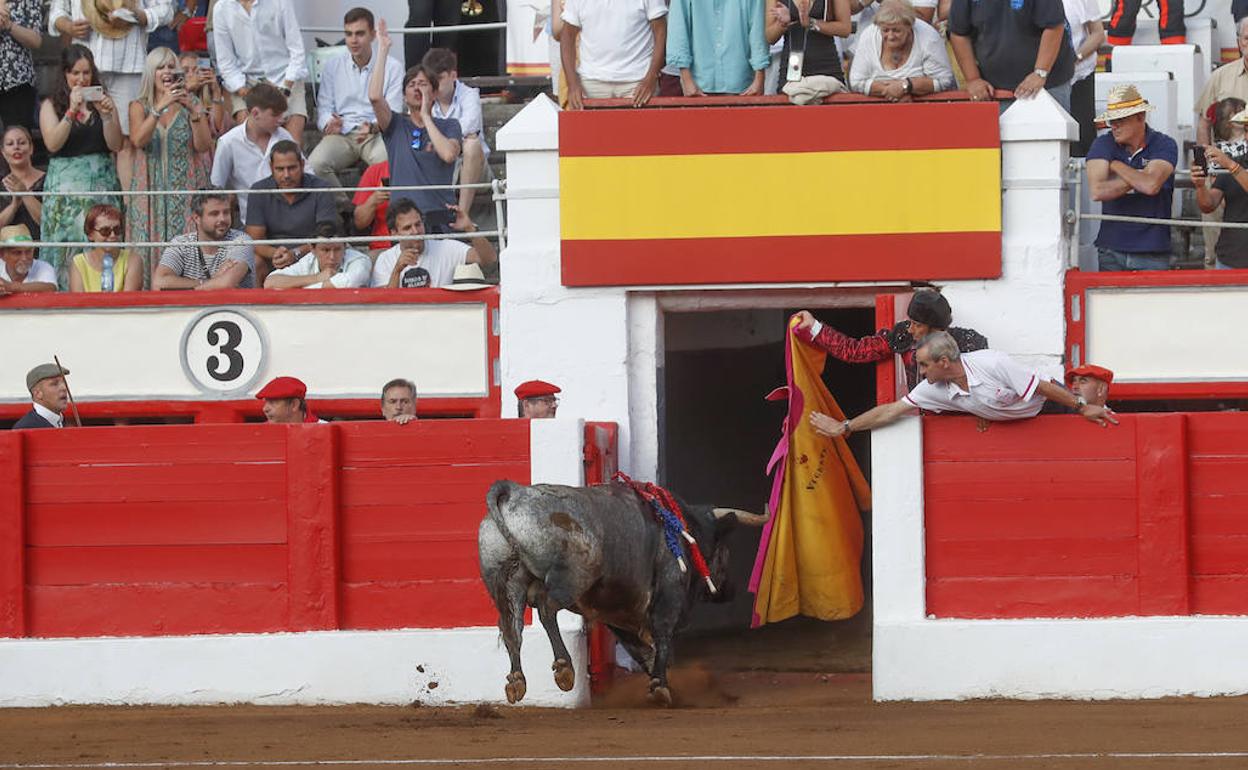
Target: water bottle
(106, 275)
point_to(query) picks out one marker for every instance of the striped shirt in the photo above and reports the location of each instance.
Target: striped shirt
(190, 261)
(125, 54)
(997, 389)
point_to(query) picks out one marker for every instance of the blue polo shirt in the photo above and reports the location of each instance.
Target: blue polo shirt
(1132, 236)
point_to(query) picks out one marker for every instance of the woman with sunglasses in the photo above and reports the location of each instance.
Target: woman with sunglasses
(105, 268)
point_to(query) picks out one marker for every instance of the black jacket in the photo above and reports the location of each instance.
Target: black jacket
(32, 419)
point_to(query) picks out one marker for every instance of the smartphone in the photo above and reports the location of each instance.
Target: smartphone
(93, 93)
(385, 181)
(1198, 157)
(205, 63)
(179, 79)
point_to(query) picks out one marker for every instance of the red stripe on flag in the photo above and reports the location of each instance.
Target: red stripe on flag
(848, 127)
(796, 259)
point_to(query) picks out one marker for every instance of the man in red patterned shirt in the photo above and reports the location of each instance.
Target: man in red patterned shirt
(928, 312)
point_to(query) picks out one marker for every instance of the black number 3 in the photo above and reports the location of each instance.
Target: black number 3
(228, 349)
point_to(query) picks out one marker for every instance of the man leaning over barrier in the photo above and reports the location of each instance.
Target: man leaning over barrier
(985, 383)
(398, 401)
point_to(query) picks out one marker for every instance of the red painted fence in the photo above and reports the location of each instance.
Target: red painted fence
(163, 530)
(1055, 517)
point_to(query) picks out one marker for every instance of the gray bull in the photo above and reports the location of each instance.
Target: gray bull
(599, 552)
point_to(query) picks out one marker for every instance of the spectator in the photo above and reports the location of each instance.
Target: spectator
(343, 112)
(261, 43)
(453, 100)
(167, 35)
(928, 312)
(899, 57)
(810, 32)
(20, 272)
(187, 266)
(924, 9)
(398, 401)
(287, 215)
(118, 43)
(173, 146)
(621, 48)
(1170, 26)
(1231, 251)
(50, 394)
(1087, 33)
(720, 52)
(422, 149)
(81, 135)
(23, 177)
(104, 268)
(202, 81)
(1091, 383)
(536, 399)
(1228, 81)
(1018, 46)
(242, 155)
(421, 263)
(329, 265)
(285, 401)
(428, 13)
(1131, 172)
(371, 206)
(986, 383)
(1228, 136)
(20, 26)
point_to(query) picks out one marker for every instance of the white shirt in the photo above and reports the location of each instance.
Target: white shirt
(40, 272)
(57, 420)
(998, 389)
(615, 41)
(466, 108)
(352, 275)
(239, 162)
(928, 58)
(265, 43)
(125, 54)
(439, 260)
(344, 91)
(1078, 14)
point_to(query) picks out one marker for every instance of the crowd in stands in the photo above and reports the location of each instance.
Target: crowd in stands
(146, 144)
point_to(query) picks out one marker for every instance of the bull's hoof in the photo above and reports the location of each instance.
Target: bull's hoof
(660, 695)
(565, 675)
(516, 687)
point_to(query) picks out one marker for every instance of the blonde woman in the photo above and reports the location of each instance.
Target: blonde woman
(172, 139)
(900, 56)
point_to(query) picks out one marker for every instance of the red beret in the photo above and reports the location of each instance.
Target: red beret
(283, 387)
(1088, 370)
(535, 388)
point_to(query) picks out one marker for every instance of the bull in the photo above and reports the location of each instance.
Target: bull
(599, 552)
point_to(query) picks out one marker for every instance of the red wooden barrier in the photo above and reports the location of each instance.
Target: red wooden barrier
(167, 530)
(1055, 517)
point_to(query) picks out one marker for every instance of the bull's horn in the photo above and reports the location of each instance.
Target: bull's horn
(744, 517)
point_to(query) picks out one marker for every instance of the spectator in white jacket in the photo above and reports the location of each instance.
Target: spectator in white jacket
(900, 56)
(259, 41)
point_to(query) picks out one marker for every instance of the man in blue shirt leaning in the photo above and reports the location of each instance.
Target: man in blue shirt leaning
(718, 46)
(1131, 172)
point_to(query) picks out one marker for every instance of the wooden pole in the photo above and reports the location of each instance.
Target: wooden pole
(73, 407)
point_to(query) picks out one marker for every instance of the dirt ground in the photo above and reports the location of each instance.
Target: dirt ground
(738, 720)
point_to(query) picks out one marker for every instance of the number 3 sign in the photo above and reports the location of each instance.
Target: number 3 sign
(223, 351)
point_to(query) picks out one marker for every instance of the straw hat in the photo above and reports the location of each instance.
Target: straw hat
(1240, 117)
(98, 16)
(468, 278)
(1123, 101)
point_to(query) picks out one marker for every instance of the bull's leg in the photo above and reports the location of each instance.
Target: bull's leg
(642, 653)
(507, 581)
(565, 675)
(666, 615)
(511, 625)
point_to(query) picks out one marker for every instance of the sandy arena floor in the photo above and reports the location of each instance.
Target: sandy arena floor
(743, 720)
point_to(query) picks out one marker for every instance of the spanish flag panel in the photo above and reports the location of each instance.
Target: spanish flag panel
(853, 192)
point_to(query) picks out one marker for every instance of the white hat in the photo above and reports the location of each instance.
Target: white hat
(468, 278)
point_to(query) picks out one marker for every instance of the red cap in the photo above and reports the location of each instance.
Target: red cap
(283, 387)
(535, 388)
(1088, 370)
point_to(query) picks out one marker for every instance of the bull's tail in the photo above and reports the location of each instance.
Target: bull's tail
(500, 492)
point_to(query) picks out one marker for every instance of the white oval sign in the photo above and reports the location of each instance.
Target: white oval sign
(223, 351)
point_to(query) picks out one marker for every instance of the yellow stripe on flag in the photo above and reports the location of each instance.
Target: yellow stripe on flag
(780, 194)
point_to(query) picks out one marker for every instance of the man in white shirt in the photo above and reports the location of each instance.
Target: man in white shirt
(414, 264)
(330, 265)
(343, 112)
(20, 272)
(242, 156)
(259, 41)
(985, 383)
(455, 100)
(622, 46)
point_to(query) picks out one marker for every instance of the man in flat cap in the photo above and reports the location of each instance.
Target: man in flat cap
(50, 394)
(537, 399)
(285, 401)
(1091, 382)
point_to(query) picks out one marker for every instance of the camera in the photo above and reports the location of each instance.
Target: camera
(796, 60)
(93, 93)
